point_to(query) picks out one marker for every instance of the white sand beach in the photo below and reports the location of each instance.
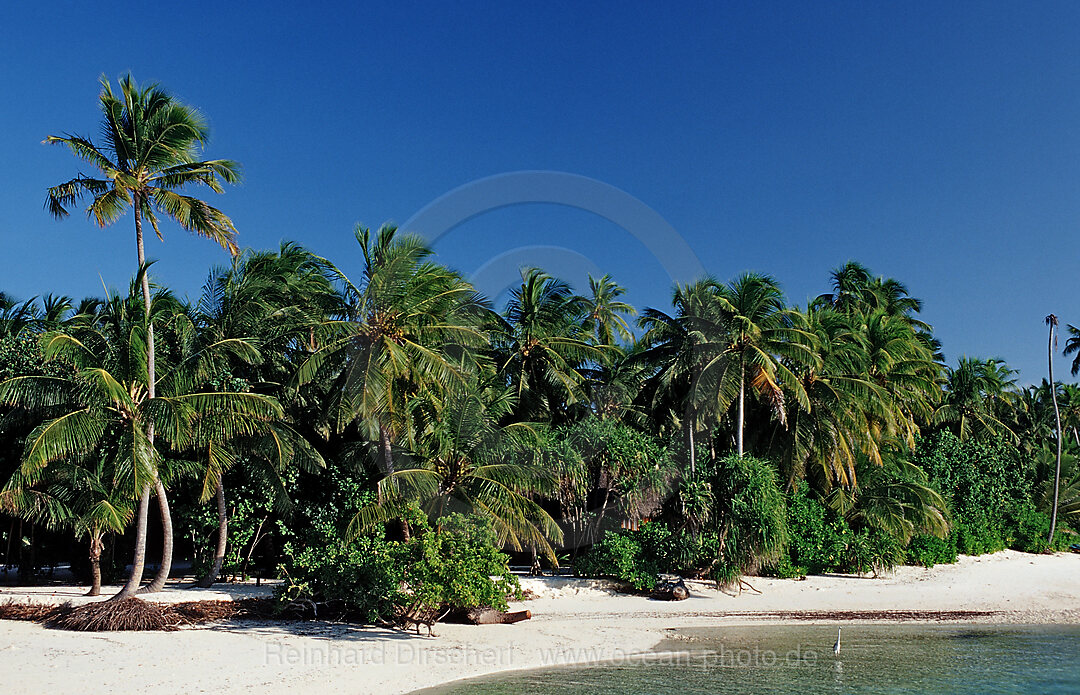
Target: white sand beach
(573, 621)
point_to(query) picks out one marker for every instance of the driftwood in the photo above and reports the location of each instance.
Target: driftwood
(490, 616)
(673, 589)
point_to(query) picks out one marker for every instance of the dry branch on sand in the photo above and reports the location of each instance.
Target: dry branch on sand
(135, 614)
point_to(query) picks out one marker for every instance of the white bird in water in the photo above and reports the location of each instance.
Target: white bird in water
(836, 647)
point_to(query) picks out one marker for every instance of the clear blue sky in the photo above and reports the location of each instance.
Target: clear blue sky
(937, 145)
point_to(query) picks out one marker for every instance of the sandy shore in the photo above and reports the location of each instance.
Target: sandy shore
(574, 621)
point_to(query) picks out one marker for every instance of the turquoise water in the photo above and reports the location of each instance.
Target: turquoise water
(874, 660)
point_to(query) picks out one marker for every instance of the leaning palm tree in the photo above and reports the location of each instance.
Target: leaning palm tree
(150, 152)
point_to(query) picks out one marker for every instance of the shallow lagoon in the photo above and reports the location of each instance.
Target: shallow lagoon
(874, 660)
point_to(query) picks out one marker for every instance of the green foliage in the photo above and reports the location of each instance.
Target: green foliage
(988, 486)
(455, 567)
(818, 536)
(927, 550)
(358, 578)
(748, 516)
(635, 557)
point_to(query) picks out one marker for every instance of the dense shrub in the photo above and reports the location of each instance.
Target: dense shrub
(927, 550)
(631, 556)
(818, 536)
(372, 579)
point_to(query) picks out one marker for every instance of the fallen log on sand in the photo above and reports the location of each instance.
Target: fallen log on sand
(488, 616)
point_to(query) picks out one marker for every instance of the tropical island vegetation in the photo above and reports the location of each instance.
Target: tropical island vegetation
(387, 444)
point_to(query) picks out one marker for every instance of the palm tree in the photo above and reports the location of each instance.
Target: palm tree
(605, 317)
(467, 460)
(104, 405)
(682, 347)
(409, 324)
(252, 318)
(543, 345)
(977, 393)
(83, 493)
(764, 342)
(1072, 345)
(850, 410)
(151, 149)
(1051, 343)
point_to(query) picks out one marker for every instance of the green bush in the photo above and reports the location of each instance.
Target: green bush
(1030, 529)
(927, 550)
(872, 550)
(622, 556)
(371, 579)
(818, 536)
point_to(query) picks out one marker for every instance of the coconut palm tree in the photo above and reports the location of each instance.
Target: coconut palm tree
(1051, 344)
(977, 393)
(849, 409)
(681, 348)
(606, 313)
(765, 342)
(467, 459)
(407, 324)
(542, 345)
(83, 493)
(150, 153)
(104, 404)
(252, 319)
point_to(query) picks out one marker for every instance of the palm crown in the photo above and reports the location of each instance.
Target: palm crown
(150, 150)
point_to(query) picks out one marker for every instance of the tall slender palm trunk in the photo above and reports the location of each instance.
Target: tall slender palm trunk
(1052, 321)
(158, 583)
(222, 540)
(142, 517)
(693, 454)
(741, 417)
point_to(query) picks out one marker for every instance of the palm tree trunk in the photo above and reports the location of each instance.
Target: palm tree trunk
(96, 546)
(742, 399)
(387, 451)
(693, 460)
(388, 469)
(141, 518)
(1052, 321)
(166, 543)
(222, 540)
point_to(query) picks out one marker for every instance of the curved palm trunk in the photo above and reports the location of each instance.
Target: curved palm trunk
(1052, 320)
(139, 561)
(222, 540)
(166, 543)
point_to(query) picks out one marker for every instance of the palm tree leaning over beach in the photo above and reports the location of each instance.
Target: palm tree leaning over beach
(150, 153)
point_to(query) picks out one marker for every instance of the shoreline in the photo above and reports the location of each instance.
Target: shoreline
(575, 621)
